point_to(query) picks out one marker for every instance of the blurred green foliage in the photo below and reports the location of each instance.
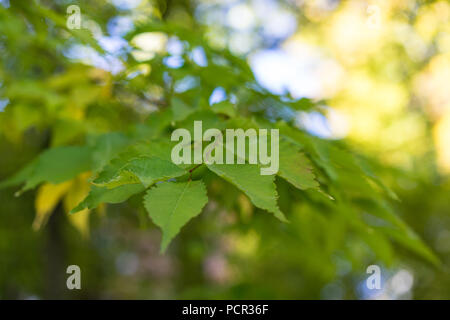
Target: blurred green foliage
(79, 117)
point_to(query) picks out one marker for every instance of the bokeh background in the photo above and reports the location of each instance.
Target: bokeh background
(381, 71)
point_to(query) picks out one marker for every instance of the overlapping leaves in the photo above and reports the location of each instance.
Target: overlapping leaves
(124, 165)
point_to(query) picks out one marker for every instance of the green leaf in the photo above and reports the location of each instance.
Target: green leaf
(65, 131)
(105, 147)
(295, 167)
(208, 118)
(110, 170)
(301, 104)
(259, 188)
(180, 109)
(224, 107)
(54, 165)
(156, 123)
(394, 227)
(145, 170)
(412, 241)
(99, 195)
(20, 176)
(172, 204)
(161, 150)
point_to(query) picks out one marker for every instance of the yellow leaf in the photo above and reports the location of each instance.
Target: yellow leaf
(77, 192)
(48, 196)
(101, 209)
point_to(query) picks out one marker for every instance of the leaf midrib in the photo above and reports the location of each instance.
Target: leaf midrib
(176, 205)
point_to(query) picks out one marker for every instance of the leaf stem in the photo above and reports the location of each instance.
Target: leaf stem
(192, 170)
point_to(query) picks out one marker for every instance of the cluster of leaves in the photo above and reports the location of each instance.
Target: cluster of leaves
(104, 149)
